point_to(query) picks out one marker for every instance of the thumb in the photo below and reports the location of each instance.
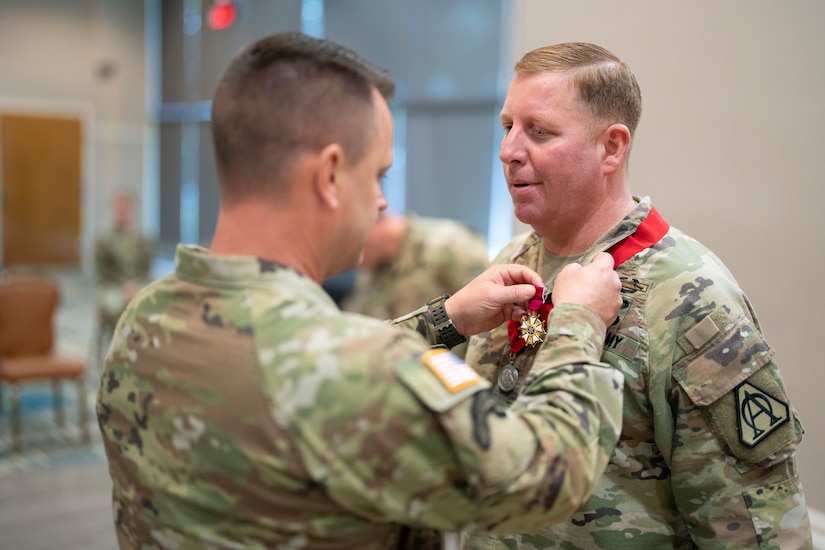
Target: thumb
(521, 293)
(603, 258)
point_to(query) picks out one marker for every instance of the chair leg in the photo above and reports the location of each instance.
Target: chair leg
(83, 410)
(59, 417)
(15, 418)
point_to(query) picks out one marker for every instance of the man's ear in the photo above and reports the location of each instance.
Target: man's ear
(327, 175)
(616, 142)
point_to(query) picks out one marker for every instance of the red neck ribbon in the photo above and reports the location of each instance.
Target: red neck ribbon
(648, 233)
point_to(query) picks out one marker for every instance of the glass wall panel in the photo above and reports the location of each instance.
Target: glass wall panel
(193, 57)
(444, 56)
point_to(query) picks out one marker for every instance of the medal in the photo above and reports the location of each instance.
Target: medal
(527, 332)
(508, 378)
(531, 329)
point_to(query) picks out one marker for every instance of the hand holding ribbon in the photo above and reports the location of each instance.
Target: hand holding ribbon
(488, 300)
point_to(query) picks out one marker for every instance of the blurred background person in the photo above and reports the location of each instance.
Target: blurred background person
(409, 259)
(123, 261)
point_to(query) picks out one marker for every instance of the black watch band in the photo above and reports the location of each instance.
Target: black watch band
(447, 332)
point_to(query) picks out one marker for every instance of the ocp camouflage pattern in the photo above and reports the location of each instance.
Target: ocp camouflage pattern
(240, 408)
(436, 256)
(122, 256)
(706, 456)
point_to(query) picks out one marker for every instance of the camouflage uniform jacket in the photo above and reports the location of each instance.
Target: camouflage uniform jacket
(120, 257)
(436, 256)
(123, 256)
(240, 408)
(706, 455)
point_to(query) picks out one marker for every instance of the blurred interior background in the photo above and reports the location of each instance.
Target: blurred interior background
(102, 95)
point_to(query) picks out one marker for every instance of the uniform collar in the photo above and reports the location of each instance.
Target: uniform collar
(195, 263)
(529, 250)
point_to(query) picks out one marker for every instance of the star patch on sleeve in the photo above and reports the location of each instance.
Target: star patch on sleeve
(454, 373)
(758, 413)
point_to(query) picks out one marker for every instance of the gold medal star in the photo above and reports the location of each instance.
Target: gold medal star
(532, 329)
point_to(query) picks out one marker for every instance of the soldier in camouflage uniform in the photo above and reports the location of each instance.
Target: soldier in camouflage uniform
(240, 408)
(409, 259)
(123, 259)
(706, 456)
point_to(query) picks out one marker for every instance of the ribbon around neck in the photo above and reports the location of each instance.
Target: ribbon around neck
(647, 233)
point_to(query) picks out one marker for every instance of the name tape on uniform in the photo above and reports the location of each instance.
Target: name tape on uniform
(454, 373)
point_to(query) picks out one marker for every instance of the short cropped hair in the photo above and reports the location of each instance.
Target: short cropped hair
(285, 94)
(605, 84)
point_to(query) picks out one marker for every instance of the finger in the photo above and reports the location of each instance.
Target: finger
(520, 293)
(518, 274)
(572, 268)
(603, 259)
(530, 277)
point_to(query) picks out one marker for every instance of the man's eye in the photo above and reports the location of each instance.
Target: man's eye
(540, 131)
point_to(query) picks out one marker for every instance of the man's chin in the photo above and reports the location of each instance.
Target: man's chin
(354, 263)
(527, 214)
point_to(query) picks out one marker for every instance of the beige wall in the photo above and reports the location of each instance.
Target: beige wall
(730, 148)
(53, 56)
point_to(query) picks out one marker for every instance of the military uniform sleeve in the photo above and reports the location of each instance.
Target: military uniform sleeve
(428, 445)
(421, 321)
(734, 474)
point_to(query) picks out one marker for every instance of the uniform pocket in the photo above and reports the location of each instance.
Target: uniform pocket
(730, 375)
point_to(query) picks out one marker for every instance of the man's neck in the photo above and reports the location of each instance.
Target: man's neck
(576, 234)
(250, 229)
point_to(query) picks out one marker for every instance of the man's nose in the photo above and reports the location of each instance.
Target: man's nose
(511, 151)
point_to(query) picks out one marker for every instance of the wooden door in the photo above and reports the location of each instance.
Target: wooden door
(41, 160)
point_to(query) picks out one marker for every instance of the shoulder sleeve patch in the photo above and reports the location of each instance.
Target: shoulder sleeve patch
(440, 379)
(756, 420)
(732, 378)
(759, 413)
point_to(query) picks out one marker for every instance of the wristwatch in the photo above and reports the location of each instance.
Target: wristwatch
(444, 326)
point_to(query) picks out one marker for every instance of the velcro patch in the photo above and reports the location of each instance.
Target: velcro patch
(758, 413)
(454, 373)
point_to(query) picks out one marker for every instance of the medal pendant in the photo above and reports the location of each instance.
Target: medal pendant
(508, 378)
(531, 329)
